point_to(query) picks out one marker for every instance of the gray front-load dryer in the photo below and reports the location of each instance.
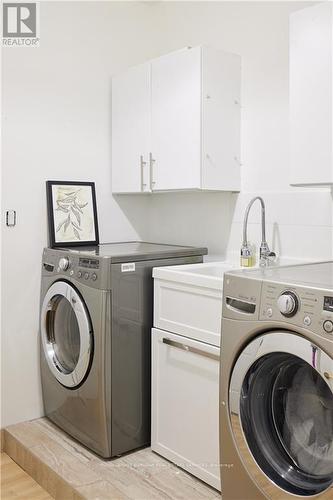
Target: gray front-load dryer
(95, 322)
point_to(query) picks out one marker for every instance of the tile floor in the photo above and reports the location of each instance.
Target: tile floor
(67, 470)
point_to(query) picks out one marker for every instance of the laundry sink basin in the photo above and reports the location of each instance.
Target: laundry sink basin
(208, 275)
(209, 270)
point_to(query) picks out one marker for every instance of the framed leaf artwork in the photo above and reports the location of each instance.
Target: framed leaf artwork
(72, 213)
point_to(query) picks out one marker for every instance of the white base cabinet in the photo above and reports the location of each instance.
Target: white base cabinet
(187, 309)
(185, 410)
(176, 123)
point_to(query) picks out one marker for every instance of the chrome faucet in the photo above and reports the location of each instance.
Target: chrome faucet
(266, 256)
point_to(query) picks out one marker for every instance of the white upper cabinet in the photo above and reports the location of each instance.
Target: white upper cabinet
(311, 53)
(131, 130)
(186, 127)
(176, 120)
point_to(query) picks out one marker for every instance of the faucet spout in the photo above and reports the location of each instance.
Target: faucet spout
(266, 256)
(263, 220)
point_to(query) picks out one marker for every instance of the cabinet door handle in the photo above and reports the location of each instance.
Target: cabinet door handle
(142, 166)
(195, 350)
(151, 165)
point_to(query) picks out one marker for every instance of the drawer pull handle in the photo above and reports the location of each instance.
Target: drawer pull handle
(195, 350)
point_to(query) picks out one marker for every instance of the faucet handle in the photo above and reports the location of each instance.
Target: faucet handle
(267, 258)
(271, 256)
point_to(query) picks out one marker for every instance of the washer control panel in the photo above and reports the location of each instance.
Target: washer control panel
(89, 263)
(300, 306)
(92, 271)
(85, 270)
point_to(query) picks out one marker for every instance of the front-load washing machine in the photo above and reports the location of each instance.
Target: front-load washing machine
(95, 335)
(276, 386)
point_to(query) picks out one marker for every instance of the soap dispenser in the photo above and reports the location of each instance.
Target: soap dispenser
(248, 255)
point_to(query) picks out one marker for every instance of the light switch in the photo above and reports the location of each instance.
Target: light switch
(11, 218)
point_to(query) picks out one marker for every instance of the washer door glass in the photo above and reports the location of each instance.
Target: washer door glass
(286, 413)
(66, 334)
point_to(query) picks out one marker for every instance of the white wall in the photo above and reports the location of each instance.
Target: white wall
(56, 125)
(299, 221)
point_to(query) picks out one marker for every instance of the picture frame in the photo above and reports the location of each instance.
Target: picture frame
(72, 213)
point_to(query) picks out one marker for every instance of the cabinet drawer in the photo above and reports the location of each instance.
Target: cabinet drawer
(185, 409)
(189, 310)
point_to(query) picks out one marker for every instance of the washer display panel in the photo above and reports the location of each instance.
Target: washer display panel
(285, 410)
(66, 334)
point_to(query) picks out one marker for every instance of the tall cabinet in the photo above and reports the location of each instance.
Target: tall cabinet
(311, 95)
(176, 123)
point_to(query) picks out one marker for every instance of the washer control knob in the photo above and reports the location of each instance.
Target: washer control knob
(288, 304)
(328, 326)
(269, 312)
(86, 276)
(64, 263)
(79, 274)
(307, 321)
(94, 276)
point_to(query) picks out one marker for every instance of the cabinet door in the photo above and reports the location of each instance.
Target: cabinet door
(176, 120)
(131, 130)
(185, 404)
(221, 87)
(311, 98)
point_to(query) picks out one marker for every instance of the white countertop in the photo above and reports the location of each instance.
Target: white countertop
(209, 274)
